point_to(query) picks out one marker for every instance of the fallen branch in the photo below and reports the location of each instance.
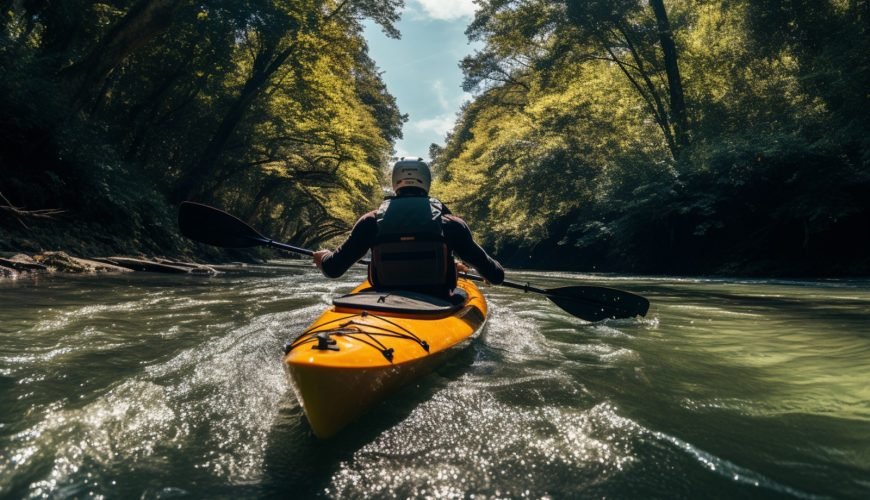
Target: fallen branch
(18, 212)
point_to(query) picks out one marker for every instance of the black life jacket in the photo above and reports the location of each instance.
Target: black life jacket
(410, 251)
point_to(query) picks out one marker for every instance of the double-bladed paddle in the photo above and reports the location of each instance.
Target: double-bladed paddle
(592, 303)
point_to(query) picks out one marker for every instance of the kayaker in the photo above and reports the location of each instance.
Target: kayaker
(412, 238)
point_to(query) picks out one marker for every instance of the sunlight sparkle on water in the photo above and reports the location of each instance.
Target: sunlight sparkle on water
(445, 446)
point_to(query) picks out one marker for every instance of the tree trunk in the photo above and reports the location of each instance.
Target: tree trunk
(675, 83)
(266, 190)
(193, 180)
(648, 91)
(145, 21)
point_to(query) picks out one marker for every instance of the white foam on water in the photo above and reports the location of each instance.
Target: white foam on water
(216, 400)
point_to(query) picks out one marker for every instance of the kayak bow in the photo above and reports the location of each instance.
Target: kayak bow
(368, 344)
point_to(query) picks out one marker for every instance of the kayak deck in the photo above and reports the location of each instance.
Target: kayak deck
(352, 357)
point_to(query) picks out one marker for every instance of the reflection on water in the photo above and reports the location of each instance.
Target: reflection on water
(151, 386)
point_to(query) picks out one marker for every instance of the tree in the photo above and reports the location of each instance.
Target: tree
(524, 36)
(274, 38)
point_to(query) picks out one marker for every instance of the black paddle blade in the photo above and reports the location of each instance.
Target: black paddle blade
(209, 225)
(595, 303)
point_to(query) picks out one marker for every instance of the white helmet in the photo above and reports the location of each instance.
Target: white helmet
(411, 172)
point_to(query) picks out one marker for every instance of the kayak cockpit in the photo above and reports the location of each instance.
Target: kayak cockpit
(402, 302)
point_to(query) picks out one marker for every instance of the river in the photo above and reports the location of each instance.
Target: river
(154, 386)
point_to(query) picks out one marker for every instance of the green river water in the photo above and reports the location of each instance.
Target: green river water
(156, 386)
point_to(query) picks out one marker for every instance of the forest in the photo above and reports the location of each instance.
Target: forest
(667, 136)
(645, 136)
(111, 113)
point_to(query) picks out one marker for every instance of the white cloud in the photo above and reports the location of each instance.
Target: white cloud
(441, 94)
(440, 124)
(442, 10)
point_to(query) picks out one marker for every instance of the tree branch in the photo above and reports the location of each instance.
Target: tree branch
(18, 212)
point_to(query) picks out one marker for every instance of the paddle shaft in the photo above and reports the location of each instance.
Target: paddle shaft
(524, 287)
(364, 262)
(473, 277)
(284, 246)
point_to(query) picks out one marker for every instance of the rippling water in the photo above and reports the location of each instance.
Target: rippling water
(154, 386)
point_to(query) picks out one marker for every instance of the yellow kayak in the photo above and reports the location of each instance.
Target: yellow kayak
(369, 343)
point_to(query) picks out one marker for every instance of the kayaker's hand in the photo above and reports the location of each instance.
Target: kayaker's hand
(318, 257)
(462, 268)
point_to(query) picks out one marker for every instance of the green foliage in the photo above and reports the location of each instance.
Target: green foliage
(115, 111)
(570, 156)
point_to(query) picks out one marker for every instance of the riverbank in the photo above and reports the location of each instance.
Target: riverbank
(53, 246)
(22, 264)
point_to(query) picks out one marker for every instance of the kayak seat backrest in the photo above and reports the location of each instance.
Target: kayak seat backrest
(408, 263)
(401, 301)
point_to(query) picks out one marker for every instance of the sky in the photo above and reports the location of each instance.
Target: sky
(422, 68)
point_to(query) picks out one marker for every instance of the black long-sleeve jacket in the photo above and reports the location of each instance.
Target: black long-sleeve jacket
(457, 235)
